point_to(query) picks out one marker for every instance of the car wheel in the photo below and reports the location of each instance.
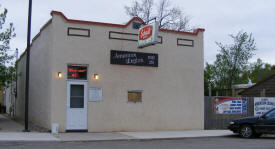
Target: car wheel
(246, 131)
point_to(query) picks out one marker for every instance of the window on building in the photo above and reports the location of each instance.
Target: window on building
(77, 72)
(136, 25)
(134, 96)
(77, 96)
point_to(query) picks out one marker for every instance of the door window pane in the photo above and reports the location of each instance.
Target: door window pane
(77, 96)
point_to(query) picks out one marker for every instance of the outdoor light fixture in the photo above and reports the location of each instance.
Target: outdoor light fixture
(59, 74)
(96, 76)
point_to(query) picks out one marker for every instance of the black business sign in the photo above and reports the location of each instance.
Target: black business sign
(134, 58)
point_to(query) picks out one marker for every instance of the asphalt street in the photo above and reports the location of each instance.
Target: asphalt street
(228, 142)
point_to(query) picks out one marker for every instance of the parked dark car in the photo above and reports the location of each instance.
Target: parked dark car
(249, 127)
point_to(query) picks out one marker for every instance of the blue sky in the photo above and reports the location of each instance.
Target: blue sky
(219, 18)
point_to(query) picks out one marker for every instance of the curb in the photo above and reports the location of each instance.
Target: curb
(144, 139)
(107, 140)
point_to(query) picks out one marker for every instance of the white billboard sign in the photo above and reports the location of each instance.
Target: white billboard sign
(148, 35)
(263, 104)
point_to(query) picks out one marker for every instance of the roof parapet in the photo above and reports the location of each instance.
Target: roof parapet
(195, 31)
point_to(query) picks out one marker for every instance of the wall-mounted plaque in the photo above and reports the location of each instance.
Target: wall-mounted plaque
(134, 58)
(95, 94)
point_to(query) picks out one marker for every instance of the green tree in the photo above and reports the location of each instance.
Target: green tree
(233, 59)
(6, 34)
(231, 63)
(259, 71)
(209, 78)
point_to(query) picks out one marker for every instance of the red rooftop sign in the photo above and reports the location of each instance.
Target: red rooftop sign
(148, 35)
(145, 32)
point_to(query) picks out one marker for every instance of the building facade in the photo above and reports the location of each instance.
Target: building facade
(90, 76)
(264, 88)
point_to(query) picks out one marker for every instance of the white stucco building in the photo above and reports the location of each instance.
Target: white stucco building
(108, 84)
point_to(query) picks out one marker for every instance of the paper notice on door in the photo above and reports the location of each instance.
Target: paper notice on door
(95, 94)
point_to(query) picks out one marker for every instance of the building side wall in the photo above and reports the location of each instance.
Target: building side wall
(266, 87)
(8, 98)
(172, 94)
(40, 79)
(21, 79)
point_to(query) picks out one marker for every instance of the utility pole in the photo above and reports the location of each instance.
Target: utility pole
(27, 69)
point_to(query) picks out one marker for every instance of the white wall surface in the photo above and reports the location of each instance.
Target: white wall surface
(40, 79)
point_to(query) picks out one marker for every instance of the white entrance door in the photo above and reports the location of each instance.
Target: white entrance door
(77, 106)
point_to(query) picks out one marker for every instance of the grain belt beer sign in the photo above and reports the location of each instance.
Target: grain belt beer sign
(148, 35)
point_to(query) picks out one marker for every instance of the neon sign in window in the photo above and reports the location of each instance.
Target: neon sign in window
(77, 72)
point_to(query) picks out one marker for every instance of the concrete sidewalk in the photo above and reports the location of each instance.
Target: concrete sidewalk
(34, 136)
(27, 136)
(141, 135)
(177, 134)
(8, 125)
(12, 131)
